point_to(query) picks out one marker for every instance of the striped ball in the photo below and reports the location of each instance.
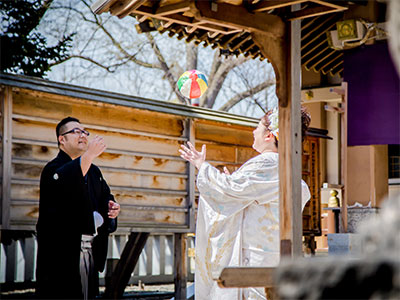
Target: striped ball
(192, 84)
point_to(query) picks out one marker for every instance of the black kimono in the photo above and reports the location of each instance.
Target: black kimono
(67, 202)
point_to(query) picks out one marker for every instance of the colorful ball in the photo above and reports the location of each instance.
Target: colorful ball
(192, 84)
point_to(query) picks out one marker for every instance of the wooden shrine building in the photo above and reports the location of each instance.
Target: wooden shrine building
(298, 37)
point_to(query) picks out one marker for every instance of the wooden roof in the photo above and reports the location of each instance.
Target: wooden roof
(228, 24)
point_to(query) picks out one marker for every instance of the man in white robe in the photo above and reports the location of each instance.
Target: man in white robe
(238, 215)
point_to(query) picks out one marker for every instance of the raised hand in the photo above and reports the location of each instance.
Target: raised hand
(192, 155)
(226, 171)
(96, 147)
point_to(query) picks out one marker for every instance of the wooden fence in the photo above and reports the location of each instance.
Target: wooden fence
(155, 266)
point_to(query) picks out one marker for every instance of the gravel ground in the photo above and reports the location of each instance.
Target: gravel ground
(137, 292)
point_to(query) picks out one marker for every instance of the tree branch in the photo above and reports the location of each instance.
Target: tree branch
(191, 57)
(224, 68)
(165, 68)
(239, 97)
(214, 68)
(118, 45)
(111, 68)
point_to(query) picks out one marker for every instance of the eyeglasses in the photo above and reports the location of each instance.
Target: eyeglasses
(77, 131)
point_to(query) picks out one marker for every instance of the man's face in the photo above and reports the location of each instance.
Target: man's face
(72, 139)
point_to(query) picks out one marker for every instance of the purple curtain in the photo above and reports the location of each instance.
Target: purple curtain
(373, 96)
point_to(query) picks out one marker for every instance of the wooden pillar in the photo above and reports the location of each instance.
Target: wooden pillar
(180, 262)
(343, 155)
(290, 150)
(191, 181)
(6, 110)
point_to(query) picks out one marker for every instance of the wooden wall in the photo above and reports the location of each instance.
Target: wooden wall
(141, 164)
(155, 187)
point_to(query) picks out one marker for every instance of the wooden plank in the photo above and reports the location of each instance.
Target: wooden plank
(42, 153)
(243, 154)
(311, 12)
(290, 152)
(262, 6)
(126, 265)
(6, 109)
(122, 141)
(129, 179)
(243, 277)
(123, 7)
(26, 212)
(101, 6)
(329, 4)
(218, 152)
(180, 265)
(239, 18)
(143, 198)
(179, 7)
(188, 21)
(133, 217)
(54, 107)
(226, 134)
(25, 191)
(118, 161)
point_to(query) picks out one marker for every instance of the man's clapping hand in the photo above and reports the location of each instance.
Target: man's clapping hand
(96, 147)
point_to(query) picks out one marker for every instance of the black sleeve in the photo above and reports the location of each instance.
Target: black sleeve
(112, 223)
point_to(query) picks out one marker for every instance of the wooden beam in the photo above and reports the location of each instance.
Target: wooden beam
(241, 277)
(240, 44)
(329, 4)
(122, 8)
(180, 264)
(274, 50)
(290, 217)
(186, 21)
(126, 265)
(101, 6)
(262, 6)
(239, 18)
(6, 113)
(311, 12)
(175, 8)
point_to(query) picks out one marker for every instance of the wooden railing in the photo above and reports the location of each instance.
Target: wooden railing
(155, 265)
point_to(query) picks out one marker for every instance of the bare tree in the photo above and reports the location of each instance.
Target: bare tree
(108, 51)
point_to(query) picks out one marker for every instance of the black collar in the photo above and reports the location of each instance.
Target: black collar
(63, 156)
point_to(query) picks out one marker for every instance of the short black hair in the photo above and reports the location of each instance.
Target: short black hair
(63, 122)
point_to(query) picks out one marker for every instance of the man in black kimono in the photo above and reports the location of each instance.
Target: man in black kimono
(76, 214)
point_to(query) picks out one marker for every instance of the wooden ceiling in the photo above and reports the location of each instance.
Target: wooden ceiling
(228, 24)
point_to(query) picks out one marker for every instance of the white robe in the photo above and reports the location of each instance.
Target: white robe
(237, 224)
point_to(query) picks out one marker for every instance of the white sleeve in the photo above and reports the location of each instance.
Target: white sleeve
(240, 188)
(305, 194)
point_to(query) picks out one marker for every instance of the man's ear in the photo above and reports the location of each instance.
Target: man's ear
(61, 139)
